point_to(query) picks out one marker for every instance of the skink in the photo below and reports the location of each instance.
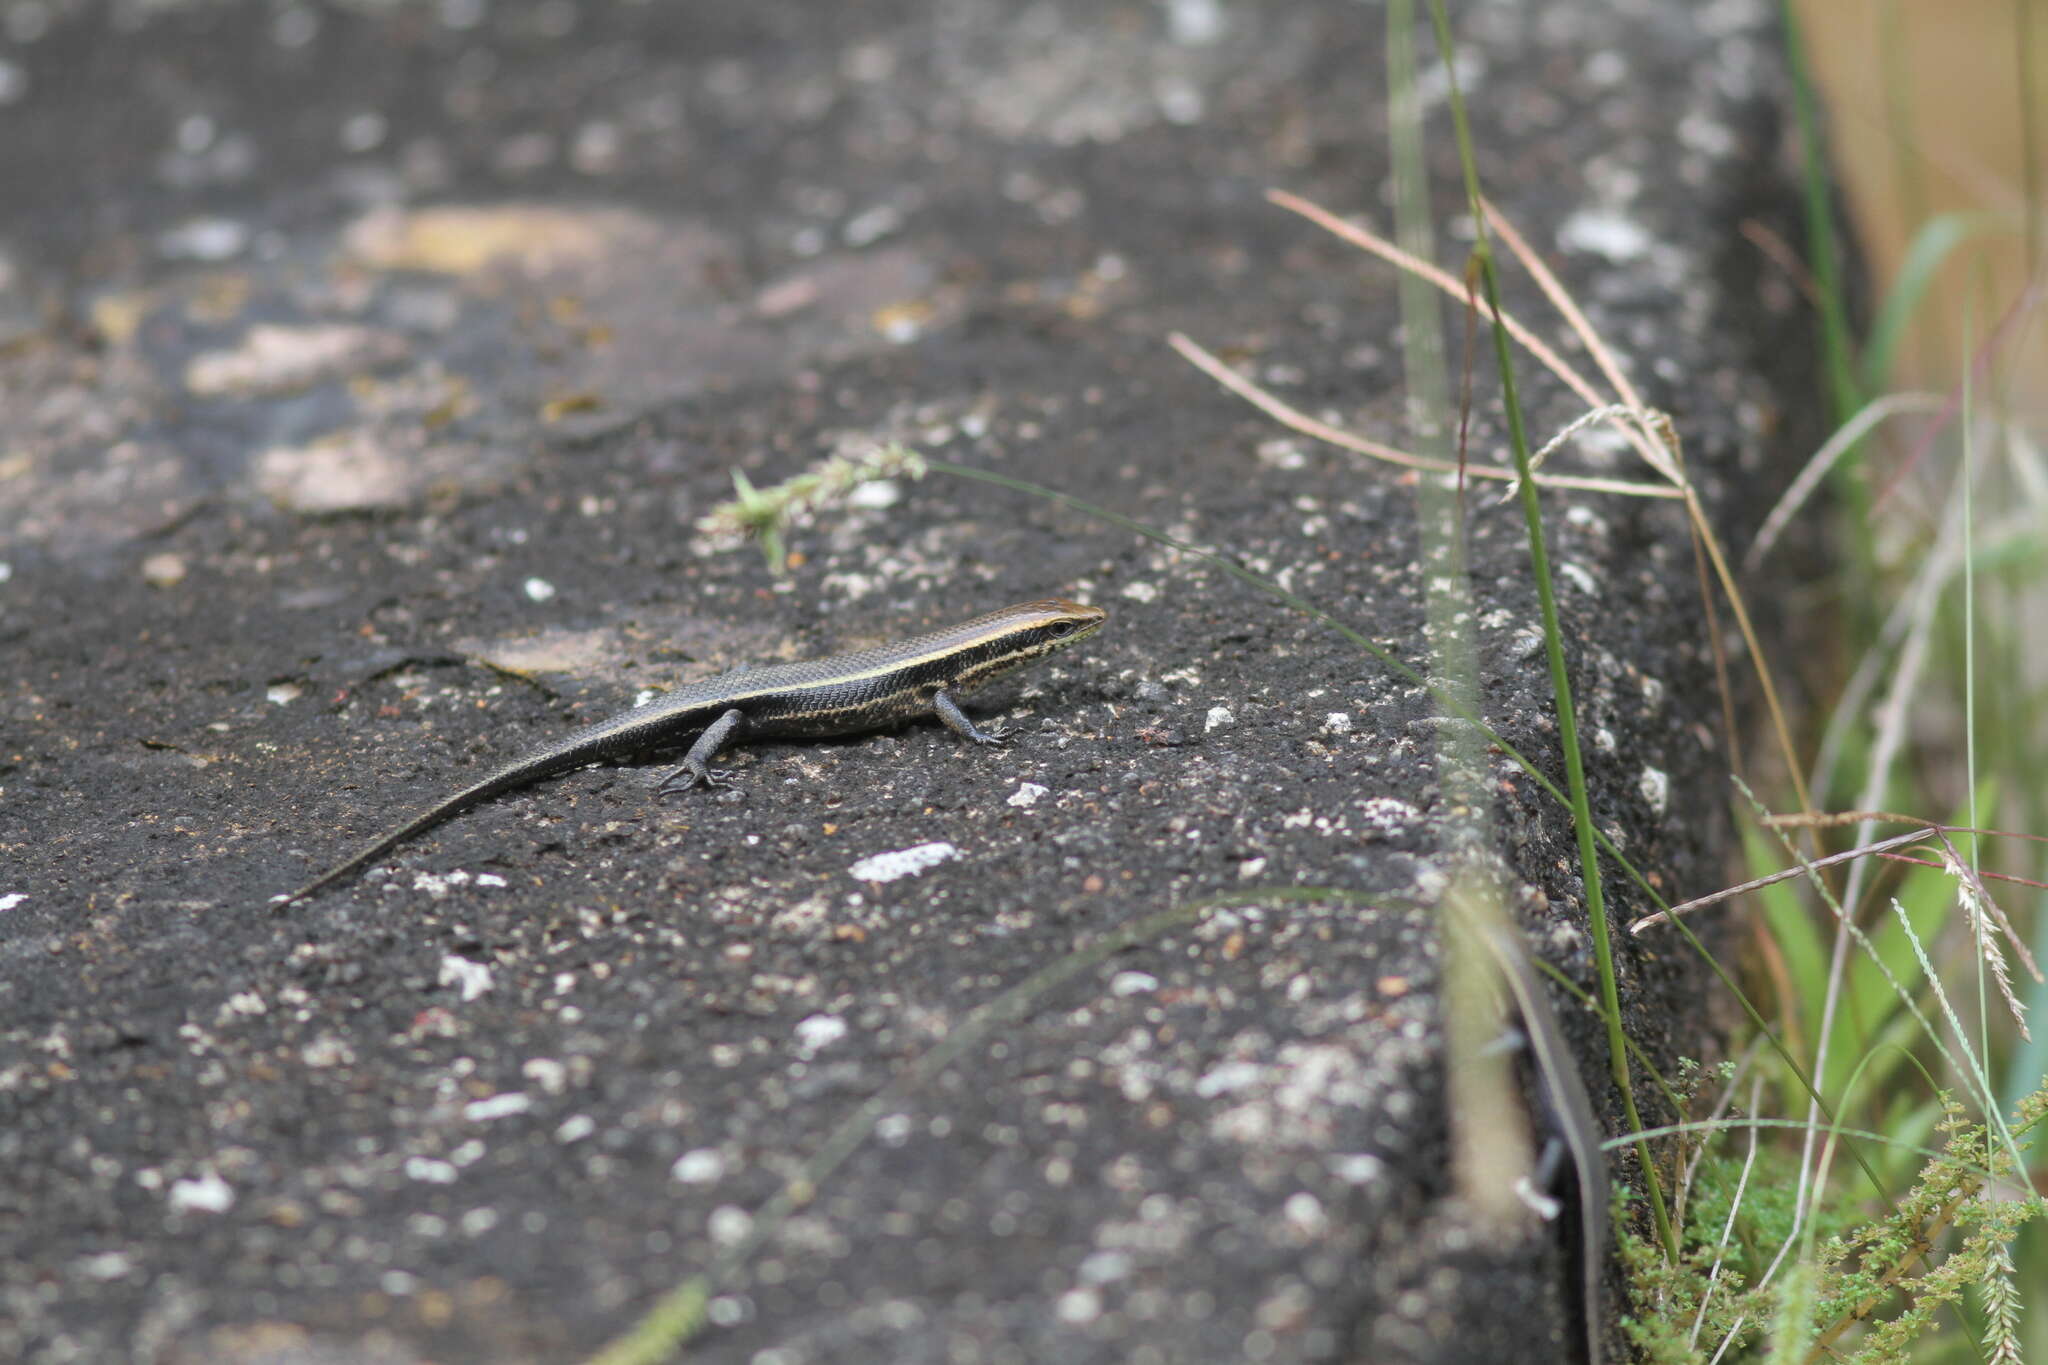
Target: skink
(866, 689)
(1576, 1142)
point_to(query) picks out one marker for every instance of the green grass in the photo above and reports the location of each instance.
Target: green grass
(1889, 983)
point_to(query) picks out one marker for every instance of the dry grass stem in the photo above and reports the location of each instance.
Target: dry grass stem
(1654, 446)
(1756, 883)
(1295, 419)
(1845, 439)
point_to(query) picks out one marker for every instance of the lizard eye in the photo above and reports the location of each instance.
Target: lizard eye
(1060, 630)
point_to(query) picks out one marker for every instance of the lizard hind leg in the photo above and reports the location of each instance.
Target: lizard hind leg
(695, 770)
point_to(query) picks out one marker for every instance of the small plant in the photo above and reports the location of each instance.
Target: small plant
(1892, 1276)
(763, 514)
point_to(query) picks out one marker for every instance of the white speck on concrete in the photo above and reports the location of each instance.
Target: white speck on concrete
(1133, 983)
(547, 1073)
(1180, 101)
(1620, 239)
(1433, 85)
(1430, 882)
(701, 1167)
(1604, 67)
(1281, 452)
(283, 694)
(901, 326)
(818, 1032)
(462, 14)
(1388, 815)
(12, 899)
(438, 885)
(1304, 1214)
(575, 1128)
(877, 495)
(295, 27)
(904, 862)
(271, 359)
(428, 1171)
(205, 1193)
(1229, 1076)
(497, 1107)
(729, 1224)
(1731, 18)
(204, 239)
(871, 225)
(1337, 723)
(471, 978)
(1707, 136)
(1139, 592)
(362, 131)
(1195, 23)
(1105, 1267)
(539, 589)
(326, 1051)
(1581, 579)
(1357, 1168)
(1655, 785)
(107, 1265)
(1078, 1307)
(1026, 795)
(163, 570)
(1219, 718)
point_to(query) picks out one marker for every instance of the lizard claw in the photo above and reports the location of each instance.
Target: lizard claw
(686, 778)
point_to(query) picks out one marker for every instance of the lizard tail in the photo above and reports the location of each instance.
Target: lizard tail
(503, 780)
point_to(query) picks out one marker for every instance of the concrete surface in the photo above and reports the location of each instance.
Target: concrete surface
(362, 370)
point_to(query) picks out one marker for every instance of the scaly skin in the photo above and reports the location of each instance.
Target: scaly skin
(868, 689)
